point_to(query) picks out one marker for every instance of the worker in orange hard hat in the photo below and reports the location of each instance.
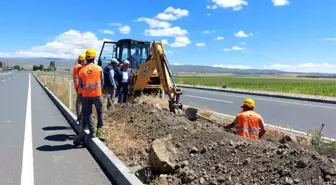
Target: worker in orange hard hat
(75, 72)
(248, 123)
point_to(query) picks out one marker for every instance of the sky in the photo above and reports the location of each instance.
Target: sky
(290, 35)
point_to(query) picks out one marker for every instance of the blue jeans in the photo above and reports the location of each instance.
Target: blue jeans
(123, 92)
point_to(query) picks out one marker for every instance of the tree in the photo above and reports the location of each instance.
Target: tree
(40, 67)
(35, 68)
(17, 67)
(0, 64)
(52, 66)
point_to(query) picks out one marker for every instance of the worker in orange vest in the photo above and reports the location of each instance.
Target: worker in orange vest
(79, 63)
(248, 123)
(91, 81)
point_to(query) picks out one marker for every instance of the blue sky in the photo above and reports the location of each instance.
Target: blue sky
(292, 35)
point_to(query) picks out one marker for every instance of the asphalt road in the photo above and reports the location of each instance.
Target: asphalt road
(294, 114)
(36, 140)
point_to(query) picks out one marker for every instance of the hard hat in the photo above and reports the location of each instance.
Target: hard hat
(81, 56)
(114, 61)
(248, 102)
(126, 62)
(90, 53)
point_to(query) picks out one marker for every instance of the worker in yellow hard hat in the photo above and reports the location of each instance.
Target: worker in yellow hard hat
(78, 65)
(248, 123)
(91, 81)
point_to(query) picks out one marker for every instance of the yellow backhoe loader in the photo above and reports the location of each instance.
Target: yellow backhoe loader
(150, 66)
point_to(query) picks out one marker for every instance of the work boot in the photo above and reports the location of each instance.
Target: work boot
(100, 133)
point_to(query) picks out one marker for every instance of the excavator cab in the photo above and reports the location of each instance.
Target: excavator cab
(136, 52)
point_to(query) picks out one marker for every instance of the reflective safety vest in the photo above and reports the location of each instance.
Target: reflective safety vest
(248, 124)
(75, 75)
(91, 80)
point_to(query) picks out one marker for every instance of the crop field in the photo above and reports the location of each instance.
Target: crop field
(311, 86)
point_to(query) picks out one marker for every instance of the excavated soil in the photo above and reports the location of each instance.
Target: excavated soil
(209, 155)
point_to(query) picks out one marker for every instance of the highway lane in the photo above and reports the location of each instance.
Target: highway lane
(295, 114)
(37, 141)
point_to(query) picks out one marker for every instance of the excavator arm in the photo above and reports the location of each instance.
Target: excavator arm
(158, 61)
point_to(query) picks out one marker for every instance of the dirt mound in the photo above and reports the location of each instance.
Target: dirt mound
(209, 155)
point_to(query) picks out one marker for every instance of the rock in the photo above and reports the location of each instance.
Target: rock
(328, 170)
(284, 146)
(231, 143)
(220, 179)
(247, 161)
(184, 164)
(285, 172)
(288, 138)
(194, 150)
(288, 181)
(302, 163)
(204, 150)
(327, 178)
(202, 180)
(162, 156)
(296, 181)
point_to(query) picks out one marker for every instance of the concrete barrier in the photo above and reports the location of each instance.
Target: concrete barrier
(105, 157)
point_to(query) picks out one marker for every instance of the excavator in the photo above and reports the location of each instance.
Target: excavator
(151, 71)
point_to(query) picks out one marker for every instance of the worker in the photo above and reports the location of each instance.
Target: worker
(91, 81)
(124, 77)
(248, 123)
(136, 59)
(79, 62)
(110, 82)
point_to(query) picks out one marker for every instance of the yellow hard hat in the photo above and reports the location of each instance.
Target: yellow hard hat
(90, 53)
(249, 102)
(81, 56)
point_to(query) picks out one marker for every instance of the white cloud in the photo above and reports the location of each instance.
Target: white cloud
(208, 31)
(226, 49)
(165, 42)
(153, 23)
(115, 24)
(125, 29)
(200, 44)
(234, 4)
(180, 42)
(280, 2)
(241, 34)
(107, 31)
(212, 7)
(66, 45)
(232, 66)
(234, 48)
(166, 32)
(331, 39)
(219, 38)
(171, 14)
(306, 67)
(242, 43)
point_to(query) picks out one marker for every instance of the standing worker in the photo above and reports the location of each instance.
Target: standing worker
(125, 77)
(75, 72)
(110, 82)
(91, 81)
(248, 123)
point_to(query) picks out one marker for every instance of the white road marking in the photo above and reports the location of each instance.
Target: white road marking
(263, 99)
(27, 173)
(208, 98)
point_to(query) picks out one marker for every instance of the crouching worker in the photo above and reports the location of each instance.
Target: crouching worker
(75, 72)
(248, 123)
(110, 84)
(91, 81)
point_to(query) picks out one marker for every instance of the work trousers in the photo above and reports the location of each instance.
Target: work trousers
(78, 103)
(111, 93)
(123, 92)
(88, 103)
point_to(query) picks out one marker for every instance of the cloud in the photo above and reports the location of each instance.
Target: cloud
(242, 34)
(66, 45)
(242, 43)
(125, 29)
(171, 14)
(213, 7)
(280, 2)
(208, 31)
(200, 44)
(153, 23)
(208, 14)
(234, 48)
(219, 38)
(166, 32)
(164, 42)
(331, 39)
(107, 32)
(115, 24)
(305, 67)
(180, 42)
(232, 66)
(234, 4)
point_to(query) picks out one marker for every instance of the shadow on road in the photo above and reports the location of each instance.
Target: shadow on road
(60, 137)
(49, 148)
(57, 128)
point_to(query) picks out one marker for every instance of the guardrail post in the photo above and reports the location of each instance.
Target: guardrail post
(45, 80)
(70, 95)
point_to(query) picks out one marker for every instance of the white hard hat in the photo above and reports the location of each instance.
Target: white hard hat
(114, 61)
(126, 62)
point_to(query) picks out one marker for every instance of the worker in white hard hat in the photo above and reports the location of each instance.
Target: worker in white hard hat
(110, 84)
(124, 79)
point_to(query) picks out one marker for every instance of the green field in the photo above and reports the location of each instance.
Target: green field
(312, 86)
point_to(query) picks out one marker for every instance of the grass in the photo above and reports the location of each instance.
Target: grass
(311, 86)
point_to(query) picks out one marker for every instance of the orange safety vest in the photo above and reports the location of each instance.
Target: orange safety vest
(91, 80)
(248, 124)
(75, 75)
